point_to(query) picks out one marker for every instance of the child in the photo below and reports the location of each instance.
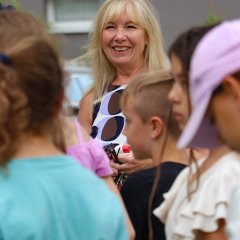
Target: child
(199, 210)
(149, 129)
(79, 144)
(218, 79)
(90, 154)
(117, 56)
(43, 192)
(180, 53)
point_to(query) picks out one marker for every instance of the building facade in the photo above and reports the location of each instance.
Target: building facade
(70, 20)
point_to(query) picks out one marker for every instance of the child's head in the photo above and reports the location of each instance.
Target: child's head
(15, 21)
(147, 111)
(180, 54)
(19, 32)
(31, 89)
(214, 81)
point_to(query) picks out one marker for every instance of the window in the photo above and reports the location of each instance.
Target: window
(80, 80)
(71, 16)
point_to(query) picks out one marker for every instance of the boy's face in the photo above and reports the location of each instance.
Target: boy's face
(224, 111)
(136, 131)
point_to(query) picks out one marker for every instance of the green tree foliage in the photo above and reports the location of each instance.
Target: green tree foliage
(14, 3)
(212, 18)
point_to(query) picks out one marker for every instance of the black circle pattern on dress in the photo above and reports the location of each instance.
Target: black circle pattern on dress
(109, 120)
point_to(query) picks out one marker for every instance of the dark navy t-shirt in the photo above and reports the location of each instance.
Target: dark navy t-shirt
(136, 191)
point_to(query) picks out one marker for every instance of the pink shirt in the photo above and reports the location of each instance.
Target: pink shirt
(90, 154)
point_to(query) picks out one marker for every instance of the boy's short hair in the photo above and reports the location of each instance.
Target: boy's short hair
(149, 95)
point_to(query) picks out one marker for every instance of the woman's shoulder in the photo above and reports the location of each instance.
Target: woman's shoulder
(85, 111)
(112, 87)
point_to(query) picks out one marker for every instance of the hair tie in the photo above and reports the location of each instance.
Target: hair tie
(4, 58)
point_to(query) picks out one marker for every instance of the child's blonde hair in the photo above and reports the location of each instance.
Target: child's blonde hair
(149, 95)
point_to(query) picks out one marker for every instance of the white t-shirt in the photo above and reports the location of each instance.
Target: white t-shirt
(233, 220)
(208, 204)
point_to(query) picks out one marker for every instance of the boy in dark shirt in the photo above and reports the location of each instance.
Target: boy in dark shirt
(152, 133)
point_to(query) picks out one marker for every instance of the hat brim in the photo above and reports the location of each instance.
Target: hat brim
(199, 131)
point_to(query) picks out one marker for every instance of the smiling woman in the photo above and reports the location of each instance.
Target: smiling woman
(126, 41)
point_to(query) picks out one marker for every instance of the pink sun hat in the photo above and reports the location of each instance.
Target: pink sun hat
(216, 56)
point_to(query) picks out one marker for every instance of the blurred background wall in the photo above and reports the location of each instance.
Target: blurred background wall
(70, 20)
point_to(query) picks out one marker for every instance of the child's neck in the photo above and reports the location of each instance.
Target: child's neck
(170, 154)
(213, 157)
(36, 146)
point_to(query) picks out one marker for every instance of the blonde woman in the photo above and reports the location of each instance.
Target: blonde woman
(126, 41)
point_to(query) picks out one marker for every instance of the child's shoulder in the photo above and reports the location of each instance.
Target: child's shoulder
(227, 165)
(74, 133)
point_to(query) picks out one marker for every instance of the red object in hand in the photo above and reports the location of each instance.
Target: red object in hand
(126, 148)
(122, 148)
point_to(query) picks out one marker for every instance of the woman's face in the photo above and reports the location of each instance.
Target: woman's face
(178, 95)
(124, 42)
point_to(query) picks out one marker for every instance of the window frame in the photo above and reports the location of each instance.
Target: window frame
(82, 26)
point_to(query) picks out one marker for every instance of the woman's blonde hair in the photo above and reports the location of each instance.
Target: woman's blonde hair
(140, 12)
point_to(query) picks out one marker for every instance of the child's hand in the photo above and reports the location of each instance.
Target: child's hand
(130, 165)
(114, 168)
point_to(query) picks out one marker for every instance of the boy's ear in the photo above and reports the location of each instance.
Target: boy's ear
(156, 127)
(232, 86)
